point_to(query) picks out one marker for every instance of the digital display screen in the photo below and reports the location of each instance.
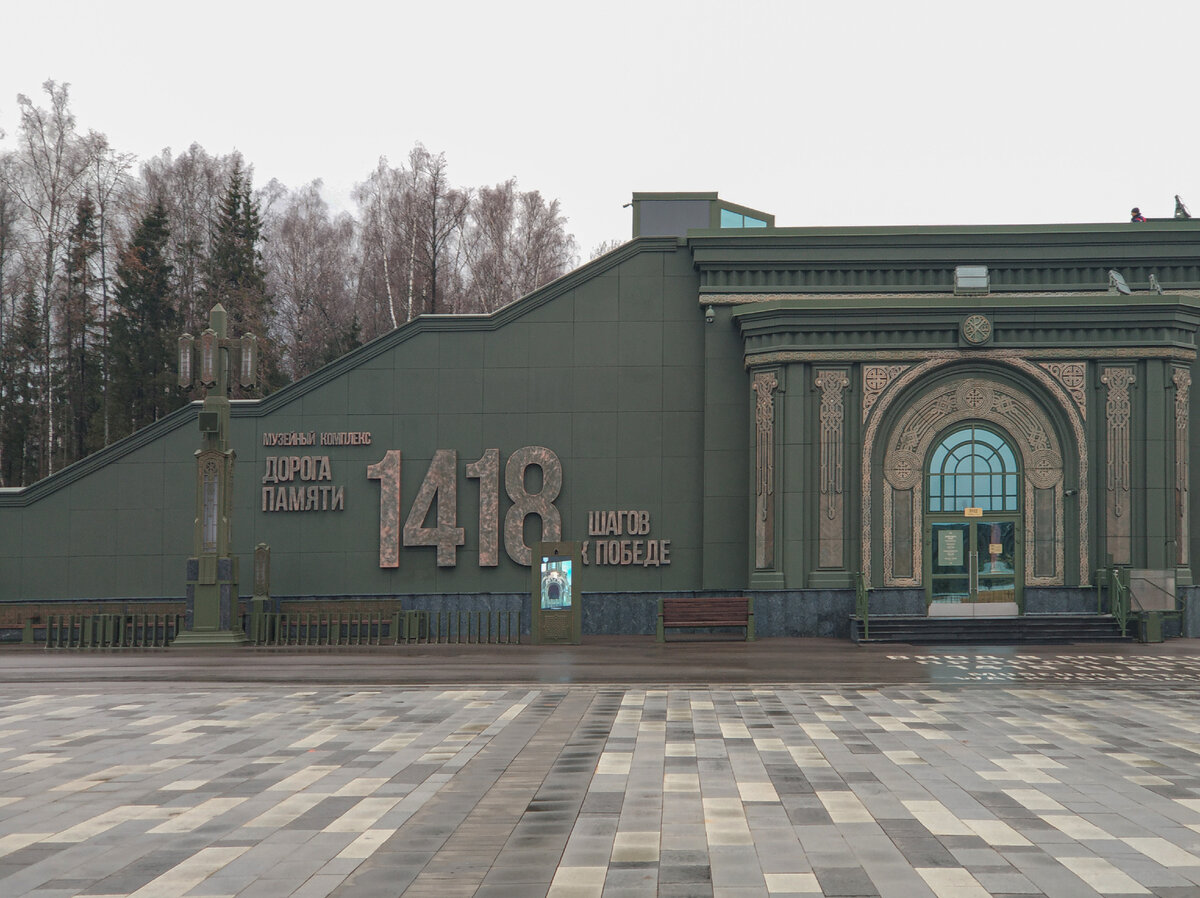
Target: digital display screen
(556, 583)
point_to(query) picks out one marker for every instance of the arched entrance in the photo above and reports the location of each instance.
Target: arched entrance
(973, 528)
(921, 410)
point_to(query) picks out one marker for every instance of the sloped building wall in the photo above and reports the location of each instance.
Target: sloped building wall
(604, 368)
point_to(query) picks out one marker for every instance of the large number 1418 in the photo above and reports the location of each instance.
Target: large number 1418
(440, 487)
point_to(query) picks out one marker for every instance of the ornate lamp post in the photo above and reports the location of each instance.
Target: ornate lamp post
(212, 574)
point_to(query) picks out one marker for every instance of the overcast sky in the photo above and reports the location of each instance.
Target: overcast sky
(830, 113)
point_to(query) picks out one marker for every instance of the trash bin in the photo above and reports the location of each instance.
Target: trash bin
(1150, 626)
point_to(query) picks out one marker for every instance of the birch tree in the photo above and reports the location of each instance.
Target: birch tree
(311, 275)
(46, 176)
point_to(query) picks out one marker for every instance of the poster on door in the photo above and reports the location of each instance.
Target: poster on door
(950, 548)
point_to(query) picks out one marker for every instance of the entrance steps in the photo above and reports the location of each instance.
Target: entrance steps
(1044, 629)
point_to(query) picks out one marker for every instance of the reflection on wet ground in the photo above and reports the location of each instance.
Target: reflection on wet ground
(626, 659)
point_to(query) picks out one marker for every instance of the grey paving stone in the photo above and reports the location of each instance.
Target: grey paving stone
(845, 881)
(508, 799)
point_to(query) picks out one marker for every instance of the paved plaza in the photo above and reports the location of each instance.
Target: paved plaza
(1052, 771)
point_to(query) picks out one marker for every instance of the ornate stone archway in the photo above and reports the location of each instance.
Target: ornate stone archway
(978, 397)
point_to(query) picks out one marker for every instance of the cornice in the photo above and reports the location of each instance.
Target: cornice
(761, 359)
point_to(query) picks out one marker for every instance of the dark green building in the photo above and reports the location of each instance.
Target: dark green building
(976, 419)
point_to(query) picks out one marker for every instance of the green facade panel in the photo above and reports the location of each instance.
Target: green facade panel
(674, 384)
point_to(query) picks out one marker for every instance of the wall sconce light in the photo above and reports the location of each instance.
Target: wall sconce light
(709, 315)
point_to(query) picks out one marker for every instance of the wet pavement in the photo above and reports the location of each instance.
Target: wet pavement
(616, 768)
(622, 659)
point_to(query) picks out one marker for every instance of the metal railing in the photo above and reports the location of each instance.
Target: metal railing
(283, 629)
(1116, 579)
(862, 602)
(110, 631)
(460, 627)
(306, 628)
(1125, 607)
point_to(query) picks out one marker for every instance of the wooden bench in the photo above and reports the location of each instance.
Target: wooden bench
(711, 612)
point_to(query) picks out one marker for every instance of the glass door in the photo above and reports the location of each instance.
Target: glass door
(950, 563)
(995, 561)
(972, 562)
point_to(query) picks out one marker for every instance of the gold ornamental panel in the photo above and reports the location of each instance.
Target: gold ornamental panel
(972, 398)
(876, 499)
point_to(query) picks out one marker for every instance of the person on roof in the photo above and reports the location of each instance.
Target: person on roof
(1135, 214)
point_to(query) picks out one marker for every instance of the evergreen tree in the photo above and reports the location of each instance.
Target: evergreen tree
(79, 393)
(237, 277)
(23, 452)
(145, 329)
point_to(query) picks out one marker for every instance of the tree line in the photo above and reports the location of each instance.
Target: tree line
(105, 262)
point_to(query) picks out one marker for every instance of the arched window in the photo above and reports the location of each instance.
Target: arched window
(973, 467)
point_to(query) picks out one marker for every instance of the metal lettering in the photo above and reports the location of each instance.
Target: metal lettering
(441, 486)
(644, 521)
(339, 499)
(295, 498)
(652, 556)
(487, 471)
(293, 467)
(638, 545)
(268, 499)
(525, 503)
(306, 468)
(387, 472)
(583, 551)
(324, 471)
(312, 501)
(271, 476)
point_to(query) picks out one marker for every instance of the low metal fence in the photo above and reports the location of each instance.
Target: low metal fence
(309, 628)
(296, 629)
(460, 627)
(109, 631)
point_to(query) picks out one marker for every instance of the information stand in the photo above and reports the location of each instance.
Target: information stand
(557, 616)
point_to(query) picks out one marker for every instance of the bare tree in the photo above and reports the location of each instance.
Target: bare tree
(46, 176)
(311, 273)
(441, 212)
(389, 245)
(190, 186)
(516, 242)
(605, 247)
(108, 177)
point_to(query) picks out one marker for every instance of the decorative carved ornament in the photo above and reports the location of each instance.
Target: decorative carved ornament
(1117, 410)
(833, 419)
(876, 379)
(1182, 379)
(831, 536)
(963, 400)
(765, 384)
(903, 469)
(976, 329)
(1010, 356)
(1073, 377)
